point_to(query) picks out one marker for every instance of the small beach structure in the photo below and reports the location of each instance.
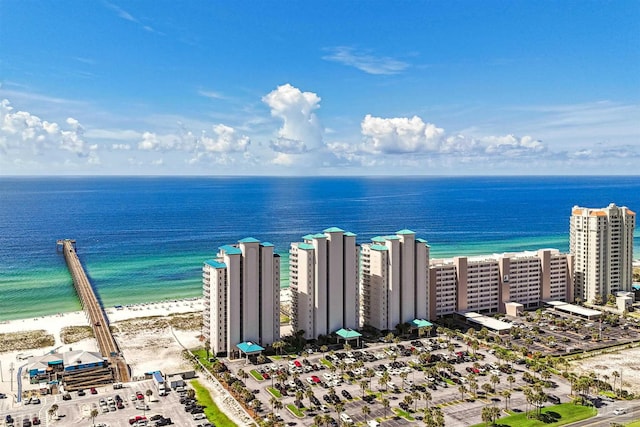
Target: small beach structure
(249, 348)
(348, 335)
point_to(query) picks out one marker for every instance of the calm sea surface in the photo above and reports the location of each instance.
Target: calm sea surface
(145, 239)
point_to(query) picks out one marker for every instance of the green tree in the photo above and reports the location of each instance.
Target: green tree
(93, 415)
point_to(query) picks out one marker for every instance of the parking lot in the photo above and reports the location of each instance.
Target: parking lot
(134, 403)
(396, 375)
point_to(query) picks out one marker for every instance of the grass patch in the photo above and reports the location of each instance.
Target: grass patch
(557, 415)
(326, 363)
(284, 319)
(25, 340)
(404, 414)
(275, 392)
(72, 334)
(633, 424)
(211, 411)
(257, 375)
(201, 354)
(295, 411)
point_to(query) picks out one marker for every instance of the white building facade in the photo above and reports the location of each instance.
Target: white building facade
(601, 242)
(241, 289)
(394, 280)
(323, 277)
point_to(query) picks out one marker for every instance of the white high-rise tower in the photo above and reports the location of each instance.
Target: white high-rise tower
(601, 242)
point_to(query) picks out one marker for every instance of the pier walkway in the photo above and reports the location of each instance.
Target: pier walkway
(95, 314)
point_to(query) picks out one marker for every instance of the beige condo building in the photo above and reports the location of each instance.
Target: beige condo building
(241, 289)
(323, 277)
(485, 283)
(394, 280)
(601, 242)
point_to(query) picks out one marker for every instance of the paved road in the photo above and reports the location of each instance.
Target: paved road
(606, 416)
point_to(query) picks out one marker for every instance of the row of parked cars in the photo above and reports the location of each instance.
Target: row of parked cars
(26, 422)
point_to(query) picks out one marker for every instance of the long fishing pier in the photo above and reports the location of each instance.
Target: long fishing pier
(93, 309)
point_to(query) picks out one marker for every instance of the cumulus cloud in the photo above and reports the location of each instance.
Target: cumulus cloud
(225, 139)
(24, 134)
(301, 130)
(365, 61)
(400, 135)
(403, 135)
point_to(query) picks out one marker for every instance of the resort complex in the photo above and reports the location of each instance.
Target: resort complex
(391, 281)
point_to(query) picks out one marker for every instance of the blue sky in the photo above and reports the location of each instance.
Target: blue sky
(319, 87)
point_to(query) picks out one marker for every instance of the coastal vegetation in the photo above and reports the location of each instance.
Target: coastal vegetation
(25, 340)
(73, 334)
(551, 416)
(185, 322)
(211, 410)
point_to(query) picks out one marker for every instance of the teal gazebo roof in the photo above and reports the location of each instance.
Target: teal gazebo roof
(348, 334)
(248, 347)
(420, 323)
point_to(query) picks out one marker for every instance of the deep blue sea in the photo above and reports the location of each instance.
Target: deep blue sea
(145, 239)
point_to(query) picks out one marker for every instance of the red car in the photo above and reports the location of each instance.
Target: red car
(93, 390)
(136, 419)
(36, 420)
(315, 379)
(298, 364)
(140, 396)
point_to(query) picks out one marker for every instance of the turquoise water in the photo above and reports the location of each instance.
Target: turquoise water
(145, 239)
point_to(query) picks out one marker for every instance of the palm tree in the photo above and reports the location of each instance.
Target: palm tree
(339, 407)
(616, 376)
(317, 420)
(463, 390)
(427, 398)
(507, 395)
(385, 405)
(327, 419)
(366, 411)
(278, 405)
(272, 402)
(416, 396)
(511, 380)
(309, 394)
(495, 380)
(363, 386)
(408, 400)
(486, 415)
(486, 387)
(93, 415)
(384, 380)
(148, 393)
(278, 346)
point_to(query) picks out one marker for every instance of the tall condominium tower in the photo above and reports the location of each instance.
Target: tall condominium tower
(323, 276)
(242, 296)
(394, 280)
(601, 242)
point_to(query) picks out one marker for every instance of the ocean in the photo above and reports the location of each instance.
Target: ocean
(145, 239)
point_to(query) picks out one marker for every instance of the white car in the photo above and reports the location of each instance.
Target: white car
(619, 411)
(345, 418)
(198, 416)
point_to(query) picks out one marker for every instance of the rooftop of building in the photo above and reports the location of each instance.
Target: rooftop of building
(215, 263)
(249, 240)
(231, 250)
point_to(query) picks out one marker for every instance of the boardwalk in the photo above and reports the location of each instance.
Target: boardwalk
(95, 314)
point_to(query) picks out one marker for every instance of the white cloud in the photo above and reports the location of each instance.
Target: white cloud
(400, 135)
(301, 131)
(210, 94)
(23, 134)
(365, 61)
(224, 140)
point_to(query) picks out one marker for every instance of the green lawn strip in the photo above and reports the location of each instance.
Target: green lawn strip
(404, 414)
(565, 413)
(294, 410)
(274, 392)
(211, 411)
(326, 363)
(633, 424)
(257, 375)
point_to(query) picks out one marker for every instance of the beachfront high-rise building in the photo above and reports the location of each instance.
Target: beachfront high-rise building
(394, 280)
(323, 277)
(601, 242)
(242, 296)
